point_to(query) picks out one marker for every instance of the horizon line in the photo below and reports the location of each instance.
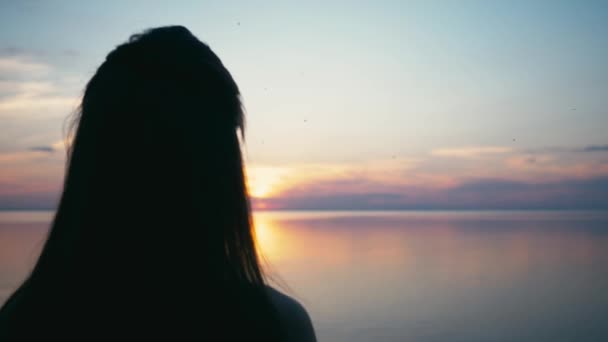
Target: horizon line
(368, 209)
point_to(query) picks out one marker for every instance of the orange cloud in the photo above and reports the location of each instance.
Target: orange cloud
(470, 152)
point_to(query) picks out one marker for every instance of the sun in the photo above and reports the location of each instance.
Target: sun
(263, 181)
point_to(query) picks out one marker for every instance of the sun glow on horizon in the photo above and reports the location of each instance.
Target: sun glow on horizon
(263, 180)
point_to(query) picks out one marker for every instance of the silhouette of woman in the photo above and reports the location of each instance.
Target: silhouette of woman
(153, 234)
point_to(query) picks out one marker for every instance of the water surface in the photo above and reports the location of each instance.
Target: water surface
(416, 276)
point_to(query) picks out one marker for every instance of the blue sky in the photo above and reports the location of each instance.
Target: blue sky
(355, 97)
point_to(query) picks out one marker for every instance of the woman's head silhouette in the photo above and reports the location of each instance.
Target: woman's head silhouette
(154, 222)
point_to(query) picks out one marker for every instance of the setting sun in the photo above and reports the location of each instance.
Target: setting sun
(263, 180)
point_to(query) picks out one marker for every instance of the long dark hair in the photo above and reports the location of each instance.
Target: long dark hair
(154, 223)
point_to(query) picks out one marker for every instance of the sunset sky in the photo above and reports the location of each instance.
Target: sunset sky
(350, 105)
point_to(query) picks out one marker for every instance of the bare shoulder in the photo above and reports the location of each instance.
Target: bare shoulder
(294, 317)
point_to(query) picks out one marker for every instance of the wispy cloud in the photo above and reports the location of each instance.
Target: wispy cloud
(18, 65)
(474, 194)
(12, 87)
(566, 149)
(38, 98)
(10, 159)
(470, 151)
(22, 102)
(48, 149)
(595, 148)
(29, 88)
(505, 178)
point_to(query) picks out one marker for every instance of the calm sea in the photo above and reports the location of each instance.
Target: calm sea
(416, 276)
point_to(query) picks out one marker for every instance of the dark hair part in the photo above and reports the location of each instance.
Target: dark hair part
(154, 220)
